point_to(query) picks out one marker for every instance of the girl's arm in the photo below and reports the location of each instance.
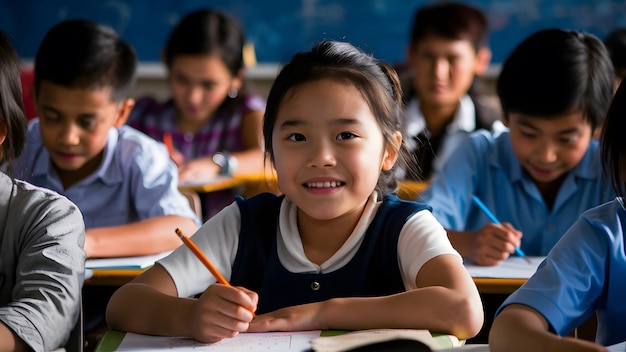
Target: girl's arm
(150, 305)
(446, 300)
(521, 328)
(251, 160)
(9, 341)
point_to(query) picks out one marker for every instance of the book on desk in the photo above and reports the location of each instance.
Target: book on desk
(321, 341)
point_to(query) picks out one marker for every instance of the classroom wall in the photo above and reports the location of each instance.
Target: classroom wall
(279, 28)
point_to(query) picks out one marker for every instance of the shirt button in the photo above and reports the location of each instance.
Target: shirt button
(315, 286)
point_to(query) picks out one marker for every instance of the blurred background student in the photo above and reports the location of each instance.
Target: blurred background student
(42, 262)
(213, 121)
(447, 52)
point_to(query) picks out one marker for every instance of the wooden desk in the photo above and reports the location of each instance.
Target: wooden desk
(112, 277)
(218, 184)
(118, 277)
(497, 285)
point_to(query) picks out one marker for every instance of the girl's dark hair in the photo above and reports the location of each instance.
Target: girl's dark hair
(377, 81)
(556, 71)
(209, 32)
(11, 104)
(83, 54)
(613, 141)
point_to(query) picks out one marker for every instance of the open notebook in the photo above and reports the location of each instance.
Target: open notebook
(140, 262)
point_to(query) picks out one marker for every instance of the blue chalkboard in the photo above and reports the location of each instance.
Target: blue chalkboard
(279, 28)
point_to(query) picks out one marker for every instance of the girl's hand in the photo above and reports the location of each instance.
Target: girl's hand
(198, 169)
(177, 157)
(295, 318)
(494, 243)
(221, 312)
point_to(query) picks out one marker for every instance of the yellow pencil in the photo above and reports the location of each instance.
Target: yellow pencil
(187, 241)
(191, 245)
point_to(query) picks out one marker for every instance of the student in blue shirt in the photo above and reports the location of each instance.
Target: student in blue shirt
(542, 173)
(582, 275)
(123, 181)
(338, 250)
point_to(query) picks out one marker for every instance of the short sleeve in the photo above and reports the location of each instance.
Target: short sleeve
(218, 239)
(421, 239)
(568, 283)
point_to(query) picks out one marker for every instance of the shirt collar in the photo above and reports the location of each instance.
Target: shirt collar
(464, 117)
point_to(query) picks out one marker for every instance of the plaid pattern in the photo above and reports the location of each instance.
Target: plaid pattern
(221, 132)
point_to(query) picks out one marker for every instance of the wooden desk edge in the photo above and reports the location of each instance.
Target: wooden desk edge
(498, 285)
(112, 277)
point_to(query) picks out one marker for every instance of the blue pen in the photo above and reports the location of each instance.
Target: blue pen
(493, 219)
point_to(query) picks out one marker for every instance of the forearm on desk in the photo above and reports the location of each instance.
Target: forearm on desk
(132, 308)
(144, 237)
(520, 328)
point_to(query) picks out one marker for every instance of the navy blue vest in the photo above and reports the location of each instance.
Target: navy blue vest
(372, 272)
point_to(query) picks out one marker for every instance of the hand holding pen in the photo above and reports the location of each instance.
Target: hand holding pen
(508, 229)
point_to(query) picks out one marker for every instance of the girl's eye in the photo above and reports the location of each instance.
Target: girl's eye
(346, 135)
(296, 137)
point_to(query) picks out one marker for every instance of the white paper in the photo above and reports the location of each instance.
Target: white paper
(199, 182)
(247, 342)
(512, 268)
(140, 262)
(620, 347)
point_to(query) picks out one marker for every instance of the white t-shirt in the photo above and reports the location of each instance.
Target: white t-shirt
(421, 239)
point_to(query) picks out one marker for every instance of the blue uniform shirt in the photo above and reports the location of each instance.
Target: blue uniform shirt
(486, 167)
(583, 274)
(135, 181)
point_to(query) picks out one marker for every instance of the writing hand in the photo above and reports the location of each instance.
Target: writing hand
(221, 312)
(494, 243)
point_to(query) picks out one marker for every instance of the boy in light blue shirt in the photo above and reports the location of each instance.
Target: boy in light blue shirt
(542, 173)
(123, 182)
(583, 275)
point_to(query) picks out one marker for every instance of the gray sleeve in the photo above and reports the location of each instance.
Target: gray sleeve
(48, 242)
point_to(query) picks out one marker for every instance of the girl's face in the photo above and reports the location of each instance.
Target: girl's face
(199, 85)
(328, 149)
(549, 148)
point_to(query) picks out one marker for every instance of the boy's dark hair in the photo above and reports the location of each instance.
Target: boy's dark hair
(451, 20)
(11, 105)
(615, 43)
(83, 54)
(613, 141)
(554, 72)
(377, 81)
(208, 32)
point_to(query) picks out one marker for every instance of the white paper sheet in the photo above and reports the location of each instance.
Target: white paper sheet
(247, 342)
(512, 268)
(140, 262)
(620, 347)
